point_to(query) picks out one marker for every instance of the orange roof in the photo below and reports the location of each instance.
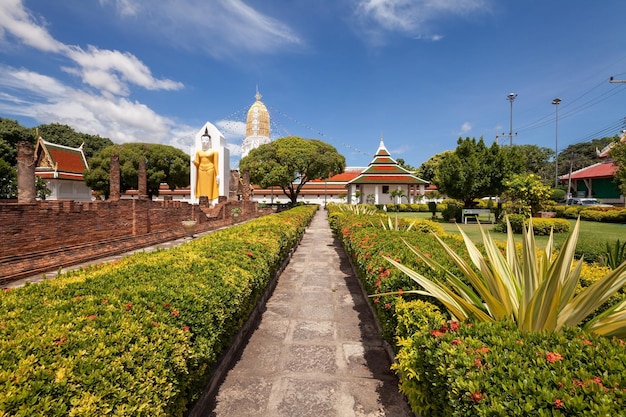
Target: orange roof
(349, 174)
(58, 161)
(599, 170)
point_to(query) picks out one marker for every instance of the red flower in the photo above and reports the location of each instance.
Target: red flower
(155, 324)
(454, 325)
(478, 363)
(437, 333)
(388, 306)
(456, 342)
(400, 291)
(482, 350)
(79, 297)
(476, 396)
(7, 290)
(92, 317)
(558, 403)
(129, 306)
(587, 342)
(186, 328)
(560, 384)
(60, 340)
(175, 313)
(105, 300)
(552, 357)
(376, 300)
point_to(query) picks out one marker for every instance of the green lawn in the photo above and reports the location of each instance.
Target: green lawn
(593, 235)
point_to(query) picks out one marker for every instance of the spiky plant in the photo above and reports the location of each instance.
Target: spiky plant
(533, 288)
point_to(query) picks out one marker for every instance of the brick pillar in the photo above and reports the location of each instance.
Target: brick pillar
(246, 185)
(114, 178)
(26, 193)
(142, 187)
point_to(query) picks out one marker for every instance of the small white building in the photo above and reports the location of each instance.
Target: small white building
(62, 168)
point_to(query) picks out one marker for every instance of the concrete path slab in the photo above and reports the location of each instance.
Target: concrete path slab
(316, 350)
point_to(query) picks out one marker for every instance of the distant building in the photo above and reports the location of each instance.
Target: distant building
(257, 127)
(372, 184)
(596, 181)
(62, 168)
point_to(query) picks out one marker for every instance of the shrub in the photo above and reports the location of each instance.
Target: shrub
(494, 369)
(139, 336)
(541, 227)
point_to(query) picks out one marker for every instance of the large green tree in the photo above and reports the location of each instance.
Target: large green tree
(582, 154)
(427, 170)
(618, 153)
(164, 164)
(474, 170)
(291, 162)
(11, 132)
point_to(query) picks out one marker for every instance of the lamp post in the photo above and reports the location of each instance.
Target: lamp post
(556, 102)
(511, 97)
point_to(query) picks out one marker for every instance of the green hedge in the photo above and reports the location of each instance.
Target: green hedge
(598, 214)
(137, 337)
(489, 369)
(493, 369)
(541, 226)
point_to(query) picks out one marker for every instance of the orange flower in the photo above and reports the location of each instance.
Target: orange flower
(175, 313)
(92, 317)
(437, 333)
(476, 396)
(552, 357)
(558, 403)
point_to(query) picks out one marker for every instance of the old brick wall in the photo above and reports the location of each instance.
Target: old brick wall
(44, 236)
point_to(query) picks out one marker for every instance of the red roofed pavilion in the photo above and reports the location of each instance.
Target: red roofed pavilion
(62, 168)
(380, 178)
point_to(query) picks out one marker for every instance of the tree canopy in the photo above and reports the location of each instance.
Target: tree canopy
(164, 164)
(427, 170)
(474, 170)
(618, 153)
(291, 162)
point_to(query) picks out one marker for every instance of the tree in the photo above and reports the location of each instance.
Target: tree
(527, 193)
(406, 166)
(474, 170)
(618, 153)
(291, 162)
(538, 161)
(427, 170)
(11, 132)
(8, 180)
(164, 164)
(582, 154)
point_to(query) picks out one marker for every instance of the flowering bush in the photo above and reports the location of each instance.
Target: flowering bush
(457, 369)
(139, 336)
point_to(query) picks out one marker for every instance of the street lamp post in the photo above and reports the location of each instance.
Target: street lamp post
(511, 97)
(556, 102)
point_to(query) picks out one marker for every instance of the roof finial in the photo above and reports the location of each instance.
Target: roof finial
(258, 95)
(381, 139)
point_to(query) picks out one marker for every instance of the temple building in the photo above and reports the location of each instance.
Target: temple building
(257, 126)
(62, 167)
(372, 184)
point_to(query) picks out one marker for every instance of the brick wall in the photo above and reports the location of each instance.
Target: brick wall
(47, 235)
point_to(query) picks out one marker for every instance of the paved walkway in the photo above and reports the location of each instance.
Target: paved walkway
(316, 351)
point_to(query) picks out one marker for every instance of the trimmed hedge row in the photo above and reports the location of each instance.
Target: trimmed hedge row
(138, 337)
(494, 369)
(596, 214)
(488, 369)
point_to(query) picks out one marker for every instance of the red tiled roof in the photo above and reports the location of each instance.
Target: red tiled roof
(58, 161)
(387, 179)
(599, 170)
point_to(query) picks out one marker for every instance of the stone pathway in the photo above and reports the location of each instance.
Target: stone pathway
(316, 351)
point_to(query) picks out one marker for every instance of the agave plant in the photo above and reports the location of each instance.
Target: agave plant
(536, 289)
(615, 255)
(394, 225)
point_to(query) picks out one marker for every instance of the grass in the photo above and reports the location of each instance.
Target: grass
(593, 235)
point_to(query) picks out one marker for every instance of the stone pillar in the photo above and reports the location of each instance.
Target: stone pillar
(142, 187)
(246, 186)
(114, 178)
(26, 193)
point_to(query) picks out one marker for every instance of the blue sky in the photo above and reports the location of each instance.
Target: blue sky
(421, 73)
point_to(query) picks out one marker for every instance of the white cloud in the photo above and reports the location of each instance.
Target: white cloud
(18, 22)
(221, 28)
(412, 17)
(111, 71)
(465, 127)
